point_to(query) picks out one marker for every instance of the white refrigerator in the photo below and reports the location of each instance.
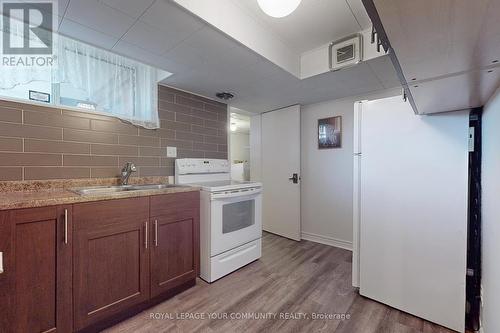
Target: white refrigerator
(410, 209)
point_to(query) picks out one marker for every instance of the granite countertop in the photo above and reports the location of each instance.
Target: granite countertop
(14, 195)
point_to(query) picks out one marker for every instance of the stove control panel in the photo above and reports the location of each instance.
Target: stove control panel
(190, 166)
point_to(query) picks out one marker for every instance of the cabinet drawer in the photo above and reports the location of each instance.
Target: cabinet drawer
(174, 204)
(90, 215)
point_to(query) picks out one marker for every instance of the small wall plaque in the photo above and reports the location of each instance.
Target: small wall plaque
(39, 96)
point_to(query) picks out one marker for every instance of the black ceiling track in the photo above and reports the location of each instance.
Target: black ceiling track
(383, 40)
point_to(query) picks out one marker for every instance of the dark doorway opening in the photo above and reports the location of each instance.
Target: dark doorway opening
(473, 280)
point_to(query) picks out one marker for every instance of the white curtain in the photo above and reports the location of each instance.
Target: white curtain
(106, 82)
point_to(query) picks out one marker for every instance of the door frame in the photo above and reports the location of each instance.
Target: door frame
(356, 192)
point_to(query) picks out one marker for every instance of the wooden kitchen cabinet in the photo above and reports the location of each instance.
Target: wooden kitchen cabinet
(6, 273)
(174, 229)
(111, 258)
(35, 286)
(86, 266)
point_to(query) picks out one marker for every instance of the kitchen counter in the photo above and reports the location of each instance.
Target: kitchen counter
(14, 195)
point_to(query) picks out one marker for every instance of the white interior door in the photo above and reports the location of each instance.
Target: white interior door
(280, 161)
(413, 210)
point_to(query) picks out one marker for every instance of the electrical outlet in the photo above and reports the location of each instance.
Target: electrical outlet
(171, 151)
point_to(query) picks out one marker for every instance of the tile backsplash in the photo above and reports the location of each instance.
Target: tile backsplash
(38, 143)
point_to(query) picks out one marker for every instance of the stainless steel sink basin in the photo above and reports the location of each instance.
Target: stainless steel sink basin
(117, 189)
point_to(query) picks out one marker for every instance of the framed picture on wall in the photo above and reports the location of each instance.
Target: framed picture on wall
(330, 132)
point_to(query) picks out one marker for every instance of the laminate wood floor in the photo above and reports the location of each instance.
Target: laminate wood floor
(291, 279)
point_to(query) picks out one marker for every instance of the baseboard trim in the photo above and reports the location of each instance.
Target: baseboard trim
(327, 240)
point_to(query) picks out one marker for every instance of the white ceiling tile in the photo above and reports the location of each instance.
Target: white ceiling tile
(100, 17)
(186, 54)
(210, 41)
(179, 77)
(87, 35)
(169, 17)
(150, 38)
(263, 69)
(384, 70)
(139, 54)
(132, 8)
(209, 47)
(360, 13)
(62, 5)
(241, 56)
(217, 50)
(344, 80)
(59, 11)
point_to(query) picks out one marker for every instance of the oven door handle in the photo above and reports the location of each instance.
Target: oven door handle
(240, 193)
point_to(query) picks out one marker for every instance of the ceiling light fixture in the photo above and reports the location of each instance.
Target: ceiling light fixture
(278, 8)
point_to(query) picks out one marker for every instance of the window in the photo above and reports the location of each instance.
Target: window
(90, 79)
(94, 79)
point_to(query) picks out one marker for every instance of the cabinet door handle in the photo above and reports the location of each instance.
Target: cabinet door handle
(65, 226)
(1, 262)
(146, 234)
(156, 233)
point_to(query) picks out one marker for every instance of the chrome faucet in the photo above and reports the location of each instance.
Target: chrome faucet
(127, 170)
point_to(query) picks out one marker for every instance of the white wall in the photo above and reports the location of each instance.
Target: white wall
(491, 215)
(327, 174)
(240, 147)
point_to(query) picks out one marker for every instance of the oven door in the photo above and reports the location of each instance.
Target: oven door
(236, 218)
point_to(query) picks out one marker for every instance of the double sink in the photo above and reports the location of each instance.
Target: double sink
(123, 188)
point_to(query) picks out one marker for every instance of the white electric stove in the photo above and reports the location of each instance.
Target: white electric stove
(230, 216)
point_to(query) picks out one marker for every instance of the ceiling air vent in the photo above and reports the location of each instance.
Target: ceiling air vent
(224, 95)
(346, 52)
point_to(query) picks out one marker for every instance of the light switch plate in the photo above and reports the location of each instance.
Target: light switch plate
(171, 151)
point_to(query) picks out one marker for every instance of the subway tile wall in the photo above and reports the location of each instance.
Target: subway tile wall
(39, 143)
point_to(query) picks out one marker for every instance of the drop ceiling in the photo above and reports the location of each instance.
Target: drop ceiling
(204, 60)
(314, 23)
(449, 50)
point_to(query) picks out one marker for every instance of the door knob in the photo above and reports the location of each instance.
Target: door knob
(295, 178)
